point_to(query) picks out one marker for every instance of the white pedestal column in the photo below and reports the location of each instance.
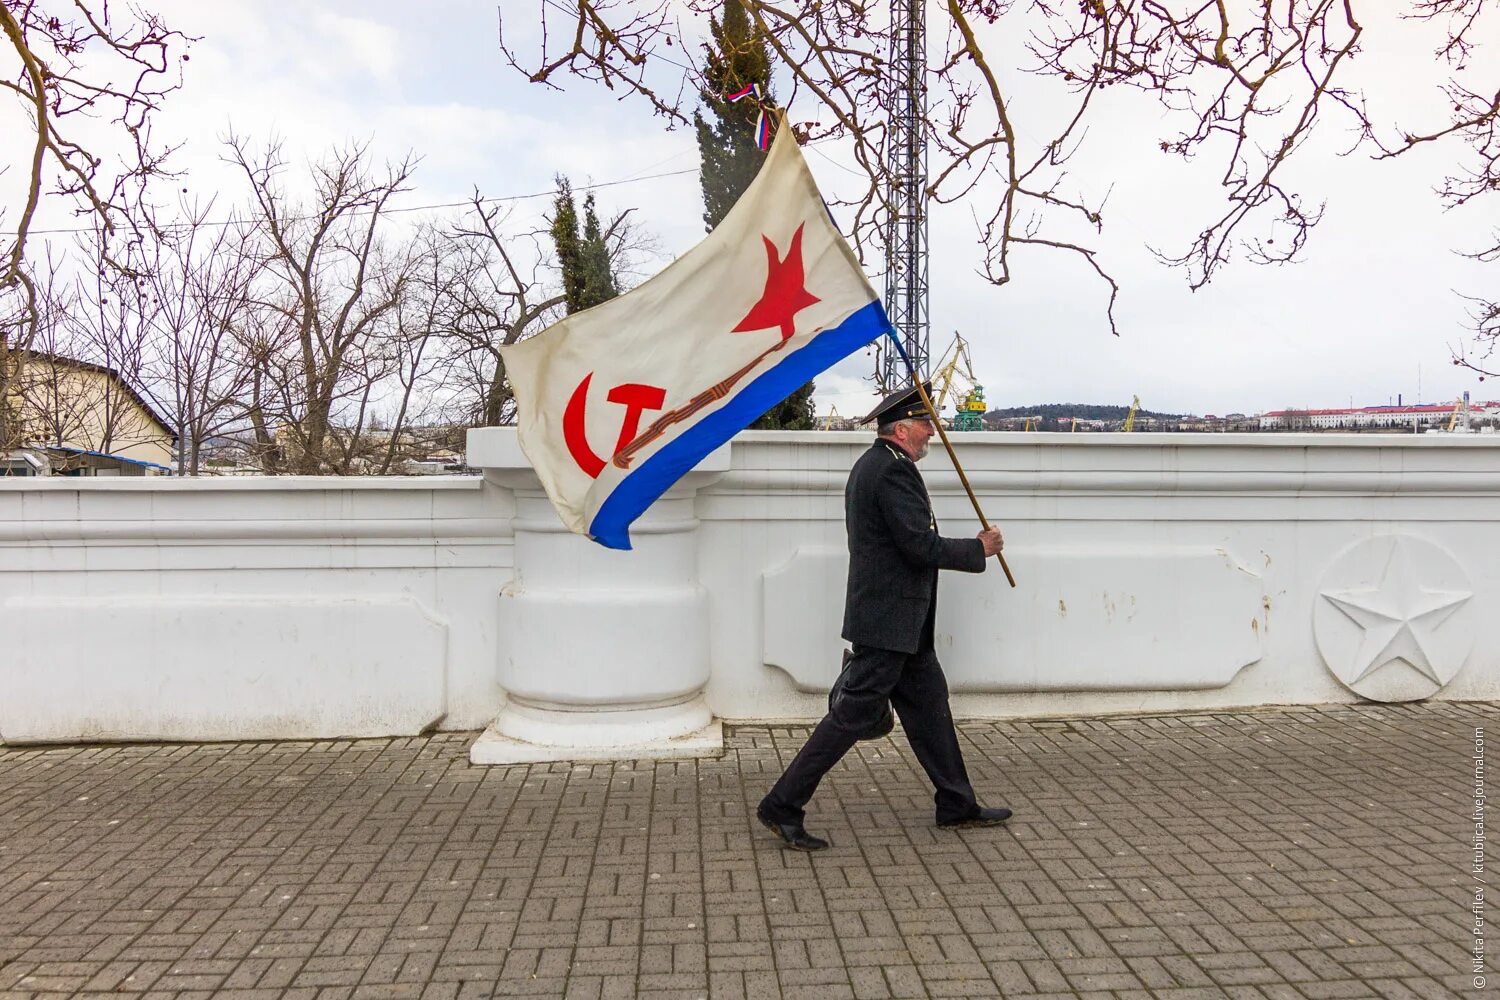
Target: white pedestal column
(603, 655)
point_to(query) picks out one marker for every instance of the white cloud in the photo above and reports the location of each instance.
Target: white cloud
(355, 47)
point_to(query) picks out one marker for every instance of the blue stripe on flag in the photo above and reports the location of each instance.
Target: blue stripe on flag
(640, 489)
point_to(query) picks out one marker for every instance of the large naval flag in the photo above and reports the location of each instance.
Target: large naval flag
(617, 402)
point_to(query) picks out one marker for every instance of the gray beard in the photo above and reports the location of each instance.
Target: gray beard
(923, 453)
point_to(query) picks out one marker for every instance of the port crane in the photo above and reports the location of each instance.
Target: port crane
(1460, 407)
(954, 376)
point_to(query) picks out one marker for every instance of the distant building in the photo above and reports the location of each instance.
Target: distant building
(439, 463)
(82, 419)
(995, 422)
(834, 422)
(1372, 417)
(1239, 422)
(1481, 416)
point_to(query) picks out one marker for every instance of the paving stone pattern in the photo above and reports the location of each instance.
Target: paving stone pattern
(1290, 853)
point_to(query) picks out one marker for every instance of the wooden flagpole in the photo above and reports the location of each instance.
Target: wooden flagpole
(938, 423)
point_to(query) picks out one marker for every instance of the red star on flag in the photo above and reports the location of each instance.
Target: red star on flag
(786, 291)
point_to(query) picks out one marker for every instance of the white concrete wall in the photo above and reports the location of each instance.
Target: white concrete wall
(274, 608)
(1155, 572)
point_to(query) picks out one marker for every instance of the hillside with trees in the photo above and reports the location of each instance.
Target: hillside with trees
(1083, 411)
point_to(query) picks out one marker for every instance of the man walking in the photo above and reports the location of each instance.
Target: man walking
(895, 553)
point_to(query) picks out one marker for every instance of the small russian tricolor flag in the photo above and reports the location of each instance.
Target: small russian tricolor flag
(762, 121)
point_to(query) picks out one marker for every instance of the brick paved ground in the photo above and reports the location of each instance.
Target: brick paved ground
(1284, 854)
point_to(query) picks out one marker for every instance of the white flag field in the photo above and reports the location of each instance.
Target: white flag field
(618, 402)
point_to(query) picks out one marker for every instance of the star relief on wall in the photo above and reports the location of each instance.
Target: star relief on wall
(1390, 621)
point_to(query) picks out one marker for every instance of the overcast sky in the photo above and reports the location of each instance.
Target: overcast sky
(1371, 306)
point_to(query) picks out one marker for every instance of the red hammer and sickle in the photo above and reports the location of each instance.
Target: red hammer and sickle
(635, 397)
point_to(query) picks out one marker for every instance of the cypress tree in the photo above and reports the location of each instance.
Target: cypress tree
(587, 273)
(726, 140)
(565, 241)
(729, 157)
(599, 283)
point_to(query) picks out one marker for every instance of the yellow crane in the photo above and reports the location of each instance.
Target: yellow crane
(1460, 406)
(957, 373)
(1135, 404)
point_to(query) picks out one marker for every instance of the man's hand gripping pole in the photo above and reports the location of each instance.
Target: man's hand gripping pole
(938, 423)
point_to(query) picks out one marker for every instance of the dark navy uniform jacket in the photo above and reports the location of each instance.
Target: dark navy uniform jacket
(895, 551)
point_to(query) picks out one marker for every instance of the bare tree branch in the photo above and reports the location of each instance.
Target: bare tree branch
(337, 286)
(1243, 84)
(56, 86)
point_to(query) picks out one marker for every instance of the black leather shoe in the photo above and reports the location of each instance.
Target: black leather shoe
(984, 817)
(793, 835)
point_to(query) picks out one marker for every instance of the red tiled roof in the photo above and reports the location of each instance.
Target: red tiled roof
(1393, 410)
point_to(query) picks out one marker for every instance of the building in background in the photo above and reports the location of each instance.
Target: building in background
(84, 419)
(1436, 416)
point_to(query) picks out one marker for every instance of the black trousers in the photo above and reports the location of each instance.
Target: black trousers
(918, 691)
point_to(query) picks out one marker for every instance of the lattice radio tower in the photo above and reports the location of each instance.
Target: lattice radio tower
(906, 183)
